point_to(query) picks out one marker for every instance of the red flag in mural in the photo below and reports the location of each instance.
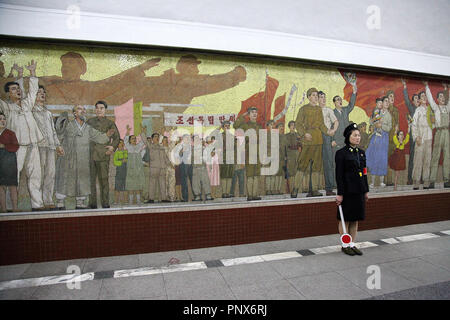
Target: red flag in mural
(280, 103)
(263, 101)
(371, 86)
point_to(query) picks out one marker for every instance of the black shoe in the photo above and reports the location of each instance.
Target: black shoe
(357, 251)
(416, 188)
(106, 207)
(330, 193)
(250, 198)
(256, 198)
(61, 208)
(93, 206)
(348, 251)
(431, 186)
(446, 184)
(150, 201)
(81, 208)
(38, 209)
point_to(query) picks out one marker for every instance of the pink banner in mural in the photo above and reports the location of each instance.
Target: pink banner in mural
(124, 115)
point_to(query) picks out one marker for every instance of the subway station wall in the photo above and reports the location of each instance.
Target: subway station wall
(163, 91)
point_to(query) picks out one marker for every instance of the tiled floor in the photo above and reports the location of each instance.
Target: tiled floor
(277, 270)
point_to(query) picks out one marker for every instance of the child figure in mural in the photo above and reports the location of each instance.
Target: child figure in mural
(397, 160)
(120, 162)
(8, 165)
(134, 183)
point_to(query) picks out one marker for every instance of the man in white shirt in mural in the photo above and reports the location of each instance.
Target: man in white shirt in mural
(331, 122)
(422, 136)
(48, 148)
(441, 138)
(18, 111)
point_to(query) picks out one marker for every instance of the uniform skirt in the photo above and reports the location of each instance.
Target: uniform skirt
(353, 207)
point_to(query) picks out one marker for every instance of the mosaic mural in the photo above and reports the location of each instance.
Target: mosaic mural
(89, 127)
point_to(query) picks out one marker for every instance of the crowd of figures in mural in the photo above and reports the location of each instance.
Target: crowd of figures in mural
(85, 158)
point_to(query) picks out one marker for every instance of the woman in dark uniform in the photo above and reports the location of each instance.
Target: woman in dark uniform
(352, 186)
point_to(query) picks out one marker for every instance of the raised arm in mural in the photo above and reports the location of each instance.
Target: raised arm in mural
(69, 88)
(342, 113)
(180, 85)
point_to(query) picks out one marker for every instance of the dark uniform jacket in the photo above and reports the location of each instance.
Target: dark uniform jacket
(351, 171)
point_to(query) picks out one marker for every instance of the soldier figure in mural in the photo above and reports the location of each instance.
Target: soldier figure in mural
(293, 149)
(253, 168)
(310, 126)
(101, 154)
(73, 177)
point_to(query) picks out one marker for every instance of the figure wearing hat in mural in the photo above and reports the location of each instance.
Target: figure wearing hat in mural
(441, 139)
(293, 149)
(226, 169)
(253, 168)
(310, 126)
